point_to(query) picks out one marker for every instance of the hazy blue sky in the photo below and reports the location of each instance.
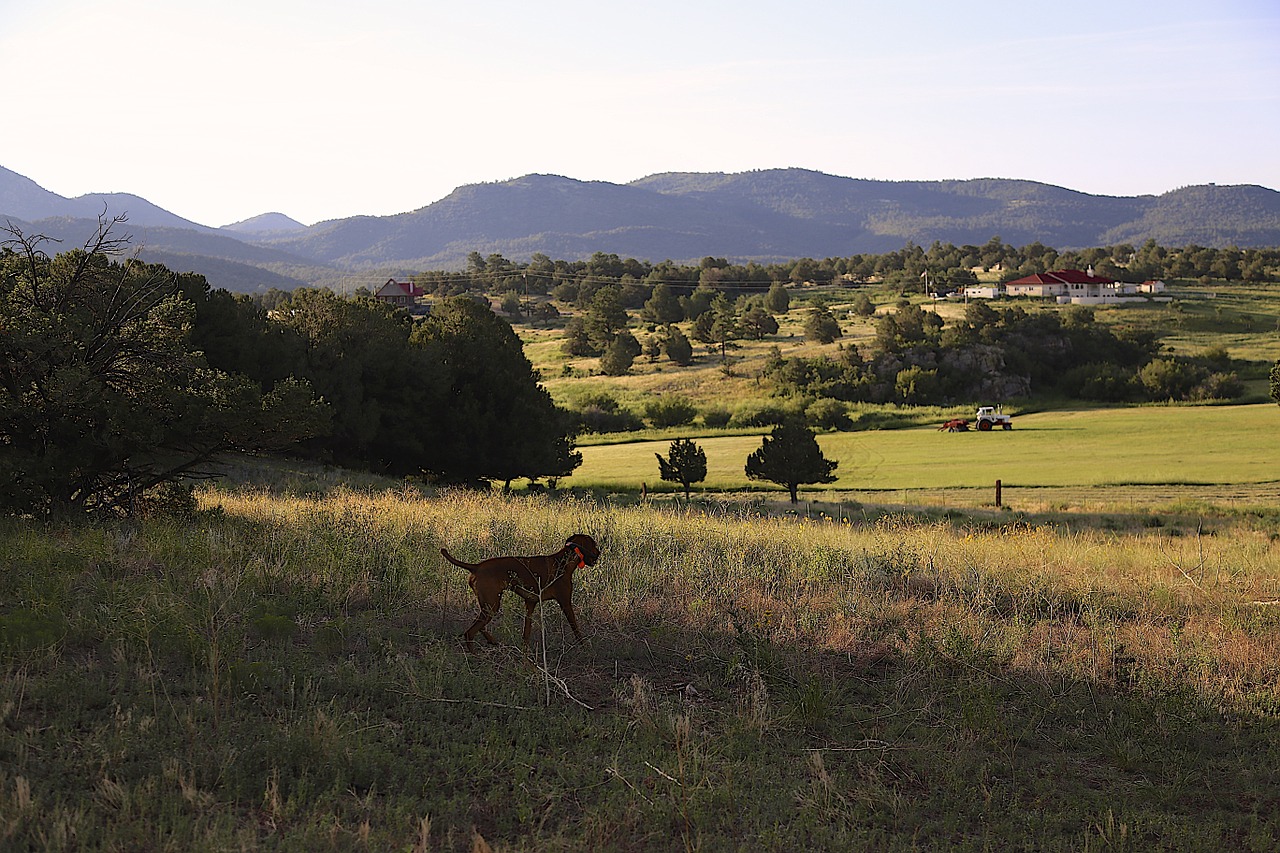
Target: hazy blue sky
(219, 111)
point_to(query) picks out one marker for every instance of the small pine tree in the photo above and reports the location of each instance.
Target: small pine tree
(821, 325)
(677, 347)
(863, 306)
(686, 464)
(620, 355)
(663, 306)
(778, 300)
(1275, 383)
(790, 456)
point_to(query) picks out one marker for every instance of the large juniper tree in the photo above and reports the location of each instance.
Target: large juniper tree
(790, 457)
(494, 421)
(101, 394)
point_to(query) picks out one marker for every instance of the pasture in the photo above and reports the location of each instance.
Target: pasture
(282, 671)
(1078, 449)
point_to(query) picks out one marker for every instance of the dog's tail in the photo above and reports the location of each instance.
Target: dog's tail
(455, 560)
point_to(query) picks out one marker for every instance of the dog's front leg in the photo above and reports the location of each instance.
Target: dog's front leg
(566, 604)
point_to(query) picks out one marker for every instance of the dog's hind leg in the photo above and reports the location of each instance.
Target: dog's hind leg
(487, 612)
(530, 604)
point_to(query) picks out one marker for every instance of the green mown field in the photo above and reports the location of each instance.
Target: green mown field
(1146, 445)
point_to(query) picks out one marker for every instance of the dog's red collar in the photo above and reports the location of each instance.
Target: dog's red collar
(582, 560)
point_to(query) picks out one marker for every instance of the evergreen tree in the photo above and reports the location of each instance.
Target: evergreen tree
(663, 306)
(778, 300)
(494, 421)
(359, 360)
(1275, 382)
(756, 323)
(606, 317)
(821, 325)
(676, 346)
(686, 464)
(790, 457)
(620, 354)
(718, 325)
(576, 340)
(102, 396)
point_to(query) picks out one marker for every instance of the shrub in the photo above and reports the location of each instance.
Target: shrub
(602, 413)
(1218, 386)
(916, 385)
(669, 411)
(755, 416)
(1099, 381)
(717, 417)
(1170, 379)
(828, 414)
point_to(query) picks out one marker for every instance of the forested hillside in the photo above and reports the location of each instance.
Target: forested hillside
(768, 216)
(774, 215)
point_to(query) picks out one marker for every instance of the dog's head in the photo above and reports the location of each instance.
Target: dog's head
(586, 545)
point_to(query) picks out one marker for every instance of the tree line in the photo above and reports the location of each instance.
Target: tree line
(575, 282)
(119, 379)
(1000, 353)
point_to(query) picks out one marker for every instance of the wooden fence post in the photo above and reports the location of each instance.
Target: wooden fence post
(998, 504)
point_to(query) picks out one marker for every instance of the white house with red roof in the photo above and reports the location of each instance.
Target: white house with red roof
(402, 294)
(1071, 286)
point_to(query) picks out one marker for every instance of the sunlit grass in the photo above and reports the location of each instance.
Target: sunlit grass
(1155, 445)
(283, 672)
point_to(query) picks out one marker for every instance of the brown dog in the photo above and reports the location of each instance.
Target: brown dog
(534, 579)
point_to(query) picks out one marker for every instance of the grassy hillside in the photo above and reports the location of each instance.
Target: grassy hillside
(284, 673)
(1243, 319)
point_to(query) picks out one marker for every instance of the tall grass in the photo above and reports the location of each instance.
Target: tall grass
(284, 672)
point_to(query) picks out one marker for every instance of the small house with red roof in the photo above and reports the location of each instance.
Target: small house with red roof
(402, 294)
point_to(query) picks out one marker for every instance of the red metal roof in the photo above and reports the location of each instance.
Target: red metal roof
(1063, 277)
(408, 287)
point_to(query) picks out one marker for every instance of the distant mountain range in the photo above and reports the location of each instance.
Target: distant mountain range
(767, 216)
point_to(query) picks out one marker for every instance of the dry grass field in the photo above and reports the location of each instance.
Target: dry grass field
(283, 672)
